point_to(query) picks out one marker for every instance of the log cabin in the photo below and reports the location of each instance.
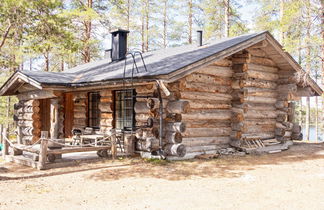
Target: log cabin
(182, 101)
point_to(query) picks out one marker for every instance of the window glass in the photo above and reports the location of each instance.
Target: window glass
(124, 106)
(93, 110)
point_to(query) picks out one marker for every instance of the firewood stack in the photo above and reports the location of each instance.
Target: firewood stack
(28, 120)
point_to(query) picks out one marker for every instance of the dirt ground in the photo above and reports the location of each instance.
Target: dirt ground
(293, 179)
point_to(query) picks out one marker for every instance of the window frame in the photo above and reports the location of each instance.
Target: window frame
(91, 108)
(121, 117)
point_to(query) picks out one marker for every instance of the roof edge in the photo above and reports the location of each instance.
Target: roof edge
(16, 76)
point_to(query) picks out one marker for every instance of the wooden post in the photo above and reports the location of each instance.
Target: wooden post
(113, 145)
(5, 145)
(42, 154)
(291, 112)
(1, 130)
(54, 118)
(19, 135)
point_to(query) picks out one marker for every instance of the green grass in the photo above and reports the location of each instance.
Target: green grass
(158, 161)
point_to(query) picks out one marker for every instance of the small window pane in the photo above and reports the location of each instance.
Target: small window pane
(93, 109)
(124, 104)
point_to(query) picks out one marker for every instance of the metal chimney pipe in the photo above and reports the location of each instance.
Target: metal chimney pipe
(199, 37)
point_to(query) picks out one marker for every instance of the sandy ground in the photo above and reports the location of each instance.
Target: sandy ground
(293, 179)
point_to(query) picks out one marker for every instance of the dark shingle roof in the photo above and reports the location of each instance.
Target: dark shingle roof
(160, 62)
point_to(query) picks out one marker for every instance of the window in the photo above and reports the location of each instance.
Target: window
(124, 106)
(93, 110)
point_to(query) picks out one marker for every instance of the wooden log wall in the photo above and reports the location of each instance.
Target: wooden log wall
(208, 118)
(106, 107)
(28, 120)
(260, 97)
(80, 110)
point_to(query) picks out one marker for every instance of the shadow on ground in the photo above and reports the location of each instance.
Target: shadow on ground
(229, 166)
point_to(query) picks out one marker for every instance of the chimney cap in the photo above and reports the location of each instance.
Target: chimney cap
(119, 30)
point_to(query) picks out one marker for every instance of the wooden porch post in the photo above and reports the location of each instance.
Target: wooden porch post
(54, 118)
(42, 154)
(19, 135)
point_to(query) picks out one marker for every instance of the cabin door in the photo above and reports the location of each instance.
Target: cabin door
(68, 118)
(45, 110)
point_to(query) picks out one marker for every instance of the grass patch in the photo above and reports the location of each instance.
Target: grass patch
(158, 161)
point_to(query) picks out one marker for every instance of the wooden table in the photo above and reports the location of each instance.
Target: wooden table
(95, 137)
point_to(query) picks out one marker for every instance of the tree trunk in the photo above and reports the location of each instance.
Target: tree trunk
(165, 22)
(226, 16)
(190, 17)
(307, 118)
(147, 24)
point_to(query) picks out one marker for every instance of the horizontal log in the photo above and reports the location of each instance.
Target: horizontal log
(260, 92)
(106, 107)
(29, 109)
(80, 122)
(197, 141)
(256, 52)
(195, 77)
(106, 115)
(36, 94)
(223, 62)
(253, 114)
(80, 115)
(149, 144)
(280, 132)
(206, 96)
(31, 103)
(149, 88)
(281, 104)
(207, 132)
(106, 122)
(258, 99)
(178, 107)
(105, 93)
(208, 124)
(203, 148)
(151, 132)
(287, 88)
(218, 71)
(175, 127)
(258, 136)
(208, 115)
(175, 150)
(173, 118)
(28, 116)
(255, 60)
(261, 75)
(106, 99)
(254, 106)
(204, 87)
(282, 117)
(143, 117)
(142, 107)
(257, 67)
(80, 95)
(258, 84)
(173, 137)
(29, 123)
(208, 104)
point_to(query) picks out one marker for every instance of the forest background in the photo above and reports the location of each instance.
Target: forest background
(54, 35)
